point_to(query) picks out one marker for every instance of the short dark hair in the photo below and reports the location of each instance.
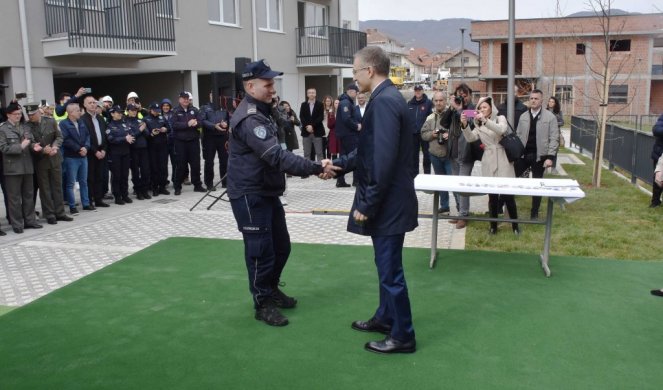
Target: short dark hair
(536, 91)
(464, 88)
(64, 95)
(376, 58)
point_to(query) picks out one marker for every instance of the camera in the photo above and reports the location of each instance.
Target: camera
(21, 95)
(87, 90)
(440, 138)
(458, 99)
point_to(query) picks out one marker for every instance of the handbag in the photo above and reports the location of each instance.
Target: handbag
(512, 145)
(476, 150)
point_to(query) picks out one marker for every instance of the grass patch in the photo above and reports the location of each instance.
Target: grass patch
(5, 309)
(611, 222)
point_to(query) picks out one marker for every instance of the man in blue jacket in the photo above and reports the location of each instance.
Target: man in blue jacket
(348, 125)
(75, 145)
(385, 204)
(420, 107)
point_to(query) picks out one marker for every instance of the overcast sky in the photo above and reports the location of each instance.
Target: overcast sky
(487, 10)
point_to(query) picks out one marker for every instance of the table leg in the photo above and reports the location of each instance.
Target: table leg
(433, 241)
(546, 244)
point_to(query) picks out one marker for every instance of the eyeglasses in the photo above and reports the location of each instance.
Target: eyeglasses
(355, 71)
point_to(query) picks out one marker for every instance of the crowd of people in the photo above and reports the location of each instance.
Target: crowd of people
(48, 149)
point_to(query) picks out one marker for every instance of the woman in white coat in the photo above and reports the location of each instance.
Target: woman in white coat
(490, 128)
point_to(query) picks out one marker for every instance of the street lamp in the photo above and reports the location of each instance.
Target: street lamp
(462, 51)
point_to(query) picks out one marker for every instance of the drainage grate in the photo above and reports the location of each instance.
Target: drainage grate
(164, 201)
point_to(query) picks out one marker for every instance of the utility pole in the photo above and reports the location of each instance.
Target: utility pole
(462, 51)
(511, 66)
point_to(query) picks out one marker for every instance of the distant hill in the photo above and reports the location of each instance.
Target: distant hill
(439, 35)
(434, 35)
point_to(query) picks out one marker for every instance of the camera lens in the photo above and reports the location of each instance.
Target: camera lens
(458, 99)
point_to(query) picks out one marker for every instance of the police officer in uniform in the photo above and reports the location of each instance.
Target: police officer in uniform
(140, 159)
(215, 135)
(187, 146)
(256, 179)
(119, 137)
(157, 128)
(348, 125)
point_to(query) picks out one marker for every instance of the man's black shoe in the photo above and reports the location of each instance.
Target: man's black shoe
(164, 191)
(199, 189)
(127, 199)
(34, 226)
(178, 192)
(342, 184)
(51, 221)
(64, 217)
(283, 301)
(211, 188)
(89, 208)
(155, 193)
(654, 205)
(146, 195)
(73, 211)
(101, 204)
(443, 210)
(2, 233)
(657, 292)
(534, 215)
(389, 345)
(271, 315)
(371, 325)
(119, 201)
(18, 230)
(140, 196)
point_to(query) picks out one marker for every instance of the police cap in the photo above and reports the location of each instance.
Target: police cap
(155, 106)
(32, 108)
(418, 88)
(12, 107)
(132, 107)
(259, 70)
(115, 108)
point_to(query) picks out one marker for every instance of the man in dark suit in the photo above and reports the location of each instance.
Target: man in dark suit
(96, 156)
(311, 114)
(385, 203)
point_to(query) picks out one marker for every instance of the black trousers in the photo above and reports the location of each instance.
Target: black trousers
(656, 191)
(494, 201)
(214, 145)
(261, 220)
(158, 165)
(140, 169)
(521, 165)
(120, 172)
(187, 154)
(95, 178)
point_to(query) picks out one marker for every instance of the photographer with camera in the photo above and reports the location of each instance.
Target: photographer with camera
(437, 138)
(458, 149)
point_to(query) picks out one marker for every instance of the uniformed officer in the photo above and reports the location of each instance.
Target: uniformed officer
(256, 179)
(215, 135)
(157, 129)
(16, 144)
(187, 146)
(48, 164)
(119, 137)
(140, 158)
(347, 125)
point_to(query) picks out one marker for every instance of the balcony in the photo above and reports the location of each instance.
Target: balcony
(328, 46)
(111, 28)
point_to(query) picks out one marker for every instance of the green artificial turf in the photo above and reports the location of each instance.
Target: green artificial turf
(178, 315)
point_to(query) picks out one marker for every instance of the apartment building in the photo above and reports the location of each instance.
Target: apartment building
(561, 55)
(160, 47)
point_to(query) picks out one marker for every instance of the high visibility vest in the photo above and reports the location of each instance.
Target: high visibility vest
(59, 118)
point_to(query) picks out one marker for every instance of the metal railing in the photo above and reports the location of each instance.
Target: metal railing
(327, 45)
(136, 25)
(628, 148)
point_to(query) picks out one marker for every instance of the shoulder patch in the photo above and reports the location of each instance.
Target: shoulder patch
(108, 131)
(260, 132)
(346, 109)
(252, 109)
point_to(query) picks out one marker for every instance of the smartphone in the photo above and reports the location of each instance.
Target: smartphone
(470, 114)
(88, 90)
(21, 95)
(43, 102)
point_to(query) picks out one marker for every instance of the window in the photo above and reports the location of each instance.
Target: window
(223, 11)
(564, 93)
(167, 8)
(347, 25)
(658, 42)
(86, 4)
(269, 13)
(313, 15)
(620, 45)
(618, 94)
(504, 61)
(580, 49)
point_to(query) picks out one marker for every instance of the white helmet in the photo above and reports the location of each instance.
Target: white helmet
(132, 95)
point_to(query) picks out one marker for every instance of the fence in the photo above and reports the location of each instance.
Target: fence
(624, 147)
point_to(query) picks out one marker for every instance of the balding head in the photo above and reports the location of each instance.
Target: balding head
(73, 112)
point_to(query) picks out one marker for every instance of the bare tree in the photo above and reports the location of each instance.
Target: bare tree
(607, 67)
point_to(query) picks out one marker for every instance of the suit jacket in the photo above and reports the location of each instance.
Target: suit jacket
(74, 140)
(16, 160)
(96, 144)
(382, 166)
(547, 134)
(46, 133)
(314, 119)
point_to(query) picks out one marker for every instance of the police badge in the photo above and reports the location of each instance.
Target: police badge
(260, 132)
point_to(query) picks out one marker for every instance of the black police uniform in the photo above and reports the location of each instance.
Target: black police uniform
(256, 179)
(116, 133)
(140, 158)
(214, 142)
(158, 147)
(187, 146)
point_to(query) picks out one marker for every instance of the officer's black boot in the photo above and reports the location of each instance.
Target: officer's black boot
(268, 313)
(146, 195)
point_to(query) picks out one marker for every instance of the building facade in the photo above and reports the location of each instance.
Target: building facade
(565, 57)
(158, 48)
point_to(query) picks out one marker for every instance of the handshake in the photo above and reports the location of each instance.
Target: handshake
(328, 169)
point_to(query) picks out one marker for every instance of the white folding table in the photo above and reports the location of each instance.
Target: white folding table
(556, 190)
